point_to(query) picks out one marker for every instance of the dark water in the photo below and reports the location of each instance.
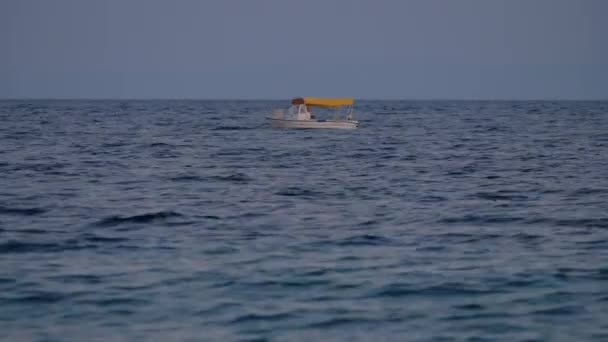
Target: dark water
(192, 220)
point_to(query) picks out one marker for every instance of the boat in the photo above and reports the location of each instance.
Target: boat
(299, 114)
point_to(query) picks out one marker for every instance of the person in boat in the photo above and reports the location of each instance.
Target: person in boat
(304, 113)
(311, 115)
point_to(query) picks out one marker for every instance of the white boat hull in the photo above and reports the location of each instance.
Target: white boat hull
(308, 124)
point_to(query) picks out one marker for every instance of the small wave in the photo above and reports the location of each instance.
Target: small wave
(228, 153)
(567, 273)
(211, 217)
(30, 231)
(340, 321)
(388, 148)
(8, 280)
(229, 128)
(587, 223)
(165, 154)
(523, 283)
(602, 274)
(459, 173)
(480, 219)
(221, 250)
(315, 272)
(109, 302)
(500, 196)
(368, 223)
(431, 248)
(559, 311)
(160, 145)
(261, 317)
(479, 316)
(113, 144)
(593, 244)
(468, 237)
(187, 178)
(472, 307)
(234, 178)
(221, 307)
(303, 283)
(38, 297)
(78, 279)
(365, 240)
(26, 247)
(103, 239)
(433, 199)
(527, 237)
(39, 167)
(588, 191)
(144, 218)
(250, 214)
(529, 169)
(297, 192)
(22, 211)
(448, 289)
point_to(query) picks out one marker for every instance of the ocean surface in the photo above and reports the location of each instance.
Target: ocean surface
(195, 221)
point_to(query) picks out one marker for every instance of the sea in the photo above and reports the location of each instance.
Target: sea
(187, 220)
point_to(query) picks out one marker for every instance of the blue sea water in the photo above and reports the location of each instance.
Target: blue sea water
(195, 221)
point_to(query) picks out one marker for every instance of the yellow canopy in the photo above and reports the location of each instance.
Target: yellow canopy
(322, 102)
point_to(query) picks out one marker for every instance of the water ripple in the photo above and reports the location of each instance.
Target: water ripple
(143, 218)
(190, 220)
(21, 211)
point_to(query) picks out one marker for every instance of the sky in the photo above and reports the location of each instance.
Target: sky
(276, 49)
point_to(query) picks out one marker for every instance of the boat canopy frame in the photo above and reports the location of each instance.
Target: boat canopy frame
(322, 102)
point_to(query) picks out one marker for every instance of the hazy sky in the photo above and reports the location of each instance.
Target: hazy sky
(470, 49)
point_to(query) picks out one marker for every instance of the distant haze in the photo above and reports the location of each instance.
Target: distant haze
(274, 49)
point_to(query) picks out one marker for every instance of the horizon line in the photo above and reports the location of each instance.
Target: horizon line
(280, 99)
